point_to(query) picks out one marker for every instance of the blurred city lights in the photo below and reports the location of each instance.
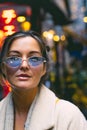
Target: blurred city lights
(9, 29)
(1, 34)
(26, 25)
(21, 18)
(63, 38)
(85, 19)
(8, 15)
(56, 38)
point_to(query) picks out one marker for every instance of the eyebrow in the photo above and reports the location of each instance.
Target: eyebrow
(31, 52)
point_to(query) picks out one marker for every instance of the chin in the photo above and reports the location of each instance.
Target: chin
(22, 87)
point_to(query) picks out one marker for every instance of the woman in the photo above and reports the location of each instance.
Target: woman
(30, 105)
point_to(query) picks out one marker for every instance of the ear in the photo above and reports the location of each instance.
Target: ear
(44, 69)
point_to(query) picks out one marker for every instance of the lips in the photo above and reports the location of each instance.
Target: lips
(23, 77)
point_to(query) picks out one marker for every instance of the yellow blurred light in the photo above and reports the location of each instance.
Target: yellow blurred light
(21, 19)
(9, 29)
(26, 25)
(63, 38)
(45, 34)
(1, 37)
(1, 34)
(85, 19)
(52, 32)
(8, 15)
(48, 34)
(56, 38)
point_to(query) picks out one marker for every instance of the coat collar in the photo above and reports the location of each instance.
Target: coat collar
(43, 114)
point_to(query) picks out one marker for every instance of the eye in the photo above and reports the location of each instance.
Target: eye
(13, 58)
(35, 59)
(13, 61)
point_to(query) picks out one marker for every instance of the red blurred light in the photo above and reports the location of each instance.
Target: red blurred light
(8, 15)
(9, 29)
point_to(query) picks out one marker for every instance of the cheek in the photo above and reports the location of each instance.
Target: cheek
(10, 73)
(38, 73)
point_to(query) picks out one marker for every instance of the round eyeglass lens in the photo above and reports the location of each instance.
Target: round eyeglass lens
(35, 61)
(13, 62)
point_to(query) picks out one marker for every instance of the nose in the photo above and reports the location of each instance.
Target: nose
(24, 64)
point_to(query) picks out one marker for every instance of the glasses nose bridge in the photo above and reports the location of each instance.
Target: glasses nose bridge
(25, 62)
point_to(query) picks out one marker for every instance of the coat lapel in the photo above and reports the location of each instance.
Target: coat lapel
(43, 114)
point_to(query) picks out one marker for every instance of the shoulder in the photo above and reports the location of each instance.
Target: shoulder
(67, 108)
(60, 105)
(70, 114)
(4, 101)
(66, 114)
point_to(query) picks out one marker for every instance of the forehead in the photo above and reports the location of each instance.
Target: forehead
(25, 43)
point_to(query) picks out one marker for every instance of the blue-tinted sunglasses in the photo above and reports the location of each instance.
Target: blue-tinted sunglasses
(17, 61)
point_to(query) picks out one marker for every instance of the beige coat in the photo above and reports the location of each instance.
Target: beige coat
(49, 113)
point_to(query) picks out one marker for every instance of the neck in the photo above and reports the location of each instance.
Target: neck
(23, 100)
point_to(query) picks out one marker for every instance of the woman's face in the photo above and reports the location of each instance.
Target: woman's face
(26, 76)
